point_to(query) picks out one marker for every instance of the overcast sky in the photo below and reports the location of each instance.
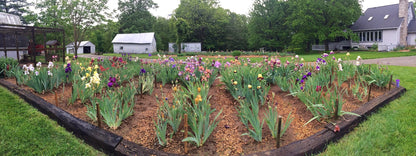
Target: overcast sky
(166, 7)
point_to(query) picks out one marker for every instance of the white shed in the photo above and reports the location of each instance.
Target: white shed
(135, 43)
(187, 47)
(85, 47)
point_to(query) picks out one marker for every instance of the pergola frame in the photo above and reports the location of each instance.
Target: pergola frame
(20, 29)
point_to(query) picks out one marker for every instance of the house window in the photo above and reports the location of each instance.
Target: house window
(121, 47)
(370, 36)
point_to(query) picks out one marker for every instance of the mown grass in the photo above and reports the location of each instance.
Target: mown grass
(306, 57)
(26, 131)
(390, 131)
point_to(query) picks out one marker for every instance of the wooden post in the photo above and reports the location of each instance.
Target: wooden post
(5, 49)
(186, 133)
(17, 47)
(279, 127)
(391, 79)
(98, 114)
(155, 81)
(56, 99)
(369, 94)
(336, 109)
(63, 47)
(33, 46)
(242, 81)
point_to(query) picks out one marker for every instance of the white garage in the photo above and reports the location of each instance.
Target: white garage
(85, 47)
(135, 43)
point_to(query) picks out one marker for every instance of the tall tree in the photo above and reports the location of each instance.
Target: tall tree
(15, 7)
(135, 16)
(82, 15)
(206, 22)
(322, 20)
(267, 27)
(182, 30)
(236, 37)
(102, 35)
(165, 32)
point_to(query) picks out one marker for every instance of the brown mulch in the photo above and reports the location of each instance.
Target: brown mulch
(227, 137)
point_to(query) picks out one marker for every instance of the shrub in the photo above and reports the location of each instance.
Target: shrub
(236, 53)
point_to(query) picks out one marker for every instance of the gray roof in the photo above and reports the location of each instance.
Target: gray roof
(6, 18)
(82, 44)
(378, 22)
(139, 38)
(412, 27)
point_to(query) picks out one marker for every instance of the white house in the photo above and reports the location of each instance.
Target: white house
(85, 47)
(135, 43)
(387, 26)
(187, 47)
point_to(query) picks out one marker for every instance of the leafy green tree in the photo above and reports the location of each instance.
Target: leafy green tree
(267, 25)
(102, 35)
(135, 16)
(15, 7)
(182, 29)
(236, 37)
(206, 22)
(165, 32)
(82, 15)
(321, 20)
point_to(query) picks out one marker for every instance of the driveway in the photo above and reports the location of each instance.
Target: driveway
(396, 61)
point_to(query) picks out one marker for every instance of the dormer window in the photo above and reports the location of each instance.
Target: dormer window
(386, 16)
(369, 19)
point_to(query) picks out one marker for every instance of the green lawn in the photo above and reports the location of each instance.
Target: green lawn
(26, 131)
(307, 57)
(390, 131)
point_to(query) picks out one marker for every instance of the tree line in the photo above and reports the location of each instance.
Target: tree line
(274, 25)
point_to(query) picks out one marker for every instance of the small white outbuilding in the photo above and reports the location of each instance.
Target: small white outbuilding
(85, 47)
(135, 43)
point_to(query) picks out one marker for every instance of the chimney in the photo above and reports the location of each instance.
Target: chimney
(403, 9)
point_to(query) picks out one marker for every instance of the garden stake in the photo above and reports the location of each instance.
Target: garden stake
(98, 114)
(369, 94)
(391, 79)
(56, 99)
(186, 133)
(336, 109)
(155, 80)
(279, 127)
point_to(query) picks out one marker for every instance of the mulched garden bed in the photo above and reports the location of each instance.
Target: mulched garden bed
(227, 137)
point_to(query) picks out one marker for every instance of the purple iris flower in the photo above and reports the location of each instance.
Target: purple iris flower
(323, 61)
(110, 84)
(301, 88)
(68, 68)
(317, 67)
(309, 74)
(319, 60)
(217, 64)
(150, 54)
(302, 81)
(173, 66)
(142, 71)
(398, 83)
(301, 65)
(304, 77)
(297, 80)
